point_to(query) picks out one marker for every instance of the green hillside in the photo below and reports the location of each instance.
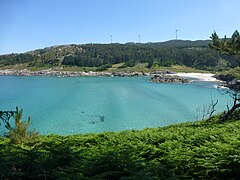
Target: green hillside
(206, 149)
(195, 54)
(178, 44)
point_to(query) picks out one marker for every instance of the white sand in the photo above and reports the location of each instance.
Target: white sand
(198, 76)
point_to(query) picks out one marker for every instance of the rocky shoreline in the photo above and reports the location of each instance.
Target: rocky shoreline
(229, 81)
(155, 76)
(49, 72)
(52, 72)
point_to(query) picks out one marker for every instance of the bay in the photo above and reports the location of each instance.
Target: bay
(96, 104)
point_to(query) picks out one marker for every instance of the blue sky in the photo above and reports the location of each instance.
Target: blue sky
(31, 24)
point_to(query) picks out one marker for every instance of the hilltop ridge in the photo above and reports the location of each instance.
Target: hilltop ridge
(196, 54)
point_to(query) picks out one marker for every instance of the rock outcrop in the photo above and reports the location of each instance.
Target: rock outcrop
(163, 78)
(234, 84)
(230, 81)
(225, 77)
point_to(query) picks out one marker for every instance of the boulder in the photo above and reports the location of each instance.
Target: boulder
(168, 79)
(225, 77)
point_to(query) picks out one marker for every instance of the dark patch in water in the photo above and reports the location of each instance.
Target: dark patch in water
(92, 119)
(96, 119)
(101, 118)
(92, 122)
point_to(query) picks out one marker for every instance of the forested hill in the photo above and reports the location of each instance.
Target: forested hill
(190, 53)
(177, 44)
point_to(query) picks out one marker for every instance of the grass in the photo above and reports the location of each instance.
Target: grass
(140, 67)
(206, 149)
(179, 68)
(16, 67)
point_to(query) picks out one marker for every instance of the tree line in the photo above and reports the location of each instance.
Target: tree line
(99, 54)
(95, 55)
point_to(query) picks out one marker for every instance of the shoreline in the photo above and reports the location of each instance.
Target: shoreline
(49, 72)
(155, 76)
(199, 76)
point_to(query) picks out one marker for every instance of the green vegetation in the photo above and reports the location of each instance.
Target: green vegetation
(103, 67)
(194, 54)
(235, 72)
(142, 67)
(19, 132)
(206, 149)
(230, 46)
(227, 45)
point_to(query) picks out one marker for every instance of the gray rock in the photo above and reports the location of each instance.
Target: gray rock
(168, 79)
(225, 77)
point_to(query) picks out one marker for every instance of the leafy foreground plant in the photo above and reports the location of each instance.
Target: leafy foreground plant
(19, 133)
(206, 149)
(229, 46)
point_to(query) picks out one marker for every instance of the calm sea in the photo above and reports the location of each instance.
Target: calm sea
(96, 104)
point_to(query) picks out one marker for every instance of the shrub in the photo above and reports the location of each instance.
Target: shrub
(19, 133)
(103, 67)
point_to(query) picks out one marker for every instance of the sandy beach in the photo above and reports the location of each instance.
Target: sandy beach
(198, 76)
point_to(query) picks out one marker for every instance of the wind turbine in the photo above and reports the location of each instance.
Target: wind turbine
(176, 32)
(139, 38)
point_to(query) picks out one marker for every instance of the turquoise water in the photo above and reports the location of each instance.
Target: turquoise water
(97, 104)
